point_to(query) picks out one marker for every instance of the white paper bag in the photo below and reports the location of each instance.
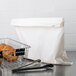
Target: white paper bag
(46, 38)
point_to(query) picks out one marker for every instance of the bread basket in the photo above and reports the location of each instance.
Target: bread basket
(21, 51)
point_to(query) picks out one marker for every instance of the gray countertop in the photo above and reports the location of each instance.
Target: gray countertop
(57, 71)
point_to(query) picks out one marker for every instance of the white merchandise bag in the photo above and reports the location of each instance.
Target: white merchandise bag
(46, 38)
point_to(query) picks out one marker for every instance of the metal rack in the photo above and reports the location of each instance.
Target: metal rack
(21, 50)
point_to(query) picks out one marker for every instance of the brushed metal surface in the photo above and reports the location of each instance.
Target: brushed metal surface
(57, 71)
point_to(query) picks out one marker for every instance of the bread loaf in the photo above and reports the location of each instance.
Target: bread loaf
(8, 52)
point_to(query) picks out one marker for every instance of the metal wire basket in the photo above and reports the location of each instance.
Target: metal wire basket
(20, 50)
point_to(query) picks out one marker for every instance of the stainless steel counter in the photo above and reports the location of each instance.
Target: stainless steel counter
(57, 71)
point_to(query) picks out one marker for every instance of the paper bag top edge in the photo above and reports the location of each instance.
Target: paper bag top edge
(38, 22)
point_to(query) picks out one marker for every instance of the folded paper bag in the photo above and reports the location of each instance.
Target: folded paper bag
(46, 38)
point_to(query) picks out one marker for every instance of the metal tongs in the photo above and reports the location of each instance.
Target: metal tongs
(36, 65)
